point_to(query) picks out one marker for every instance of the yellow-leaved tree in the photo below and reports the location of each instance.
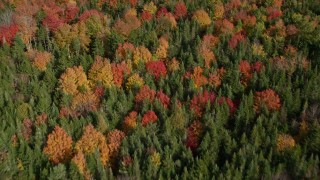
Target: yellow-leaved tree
(101, 71)
(74, 80)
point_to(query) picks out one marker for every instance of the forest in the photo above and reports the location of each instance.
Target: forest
(162, 89)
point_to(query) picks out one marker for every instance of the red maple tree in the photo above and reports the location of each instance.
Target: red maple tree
(162, 12)
(199, 102)
(163, 98)
(180, 10)
(7, 33)
(156, 68)
(149, 117)
(235, 40)
(194, 133)
(146, 16)
(145, 93)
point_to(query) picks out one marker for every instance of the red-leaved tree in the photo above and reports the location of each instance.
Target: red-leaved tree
(199, 102)
(145, 93)
(194, 134)
(156, 68)
(149, 117)
(229, 102)
(180, 10)
(267, 98)
(163, 98)
(7, 33)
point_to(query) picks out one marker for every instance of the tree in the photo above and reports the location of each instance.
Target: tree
(156, 68)
(129, 23)
(162, 50)
(180, 10)
(141, 54)
(101, 71)
(74, 80)
(285, 141)
(149, 117)
(267, 98)
(92, 140)
(134, 81)
(130, 122)
(199, 102)
(59, 146)
(7, 33)
(202, 17)
(194, 133)
(40, 59)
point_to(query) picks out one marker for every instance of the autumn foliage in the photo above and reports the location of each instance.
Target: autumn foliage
(145, 93)
(130, 122)
(59, 146)
(92, 140)
(267, 98)
(235, 40)
(162, 12)
(126, 25)
(119, 71)
(134, 81)
(124, 50)
(197, 76)
(215, 78)
(80, 161)
(114, 138)
(146, 16)
(247, 70)
(141, 55)
(231, 105)
(141, 89)
(149, 117)
(163, 98)
(156, 68)
(101, 71)
(202, 17)
(40, 59)
(84, 102)
(199, 102)
(194, 134)
(180, 10)
(162, 50)
(73, 80)
(27, 129)
(285, 141)
(7, 33)
(41, 119)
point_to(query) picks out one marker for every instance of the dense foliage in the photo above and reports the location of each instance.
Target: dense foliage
(139, 89)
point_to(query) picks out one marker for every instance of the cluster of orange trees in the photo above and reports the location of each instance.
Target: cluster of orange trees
(140, 89)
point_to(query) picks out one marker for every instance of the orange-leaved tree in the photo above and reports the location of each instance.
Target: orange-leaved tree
(74, 80)
(267, 98)
(80, 161)
(59, 146)
(130, 122)
(92, 140)
(40, 59)
(114, 138)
